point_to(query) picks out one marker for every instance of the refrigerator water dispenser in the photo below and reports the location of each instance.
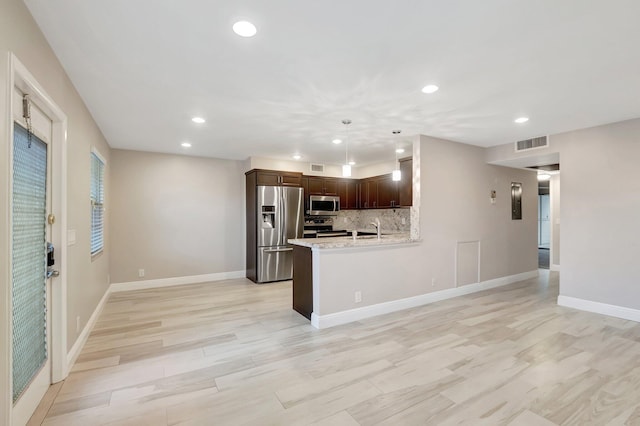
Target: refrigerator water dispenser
(268, 216)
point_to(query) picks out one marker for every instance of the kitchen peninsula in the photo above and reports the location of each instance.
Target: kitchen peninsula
(339, 280)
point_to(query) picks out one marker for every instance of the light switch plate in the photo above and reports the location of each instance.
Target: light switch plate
(71, 237)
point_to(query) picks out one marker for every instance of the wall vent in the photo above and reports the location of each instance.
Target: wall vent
(317, 168)
(533, 143)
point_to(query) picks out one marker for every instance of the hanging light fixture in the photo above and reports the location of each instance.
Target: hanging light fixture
(346, 168)
(396, 175)
(542, 176)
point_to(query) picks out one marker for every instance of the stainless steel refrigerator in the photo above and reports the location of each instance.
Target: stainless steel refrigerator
(280, 211)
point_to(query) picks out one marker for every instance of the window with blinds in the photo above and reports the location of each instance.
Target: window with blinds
(97, 204)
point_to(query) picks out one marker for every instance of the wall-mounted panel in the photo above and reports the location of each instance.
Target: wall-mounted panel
(516, 201)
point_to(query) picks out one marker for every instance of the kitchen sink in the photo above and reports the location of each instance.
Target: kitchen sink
(364, 237)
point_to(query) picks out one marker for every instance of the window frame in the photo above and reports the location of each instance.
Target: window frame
(99, 202)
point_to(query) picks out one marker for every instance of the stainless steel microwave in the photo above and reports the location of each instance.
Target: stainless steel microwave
(324, 205)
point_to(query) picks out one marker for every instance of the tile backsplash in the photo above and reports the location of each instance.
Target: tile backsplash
(390, 219)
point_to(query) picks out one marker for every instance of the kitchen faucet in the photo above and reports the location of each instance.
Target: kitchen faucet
(377, 226)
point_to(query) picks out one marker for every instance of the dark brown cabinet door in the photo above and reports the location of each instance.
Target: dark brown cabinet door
(405, 186)
(302, 281)
(290, 179)
(330, 186)
(347, 191)
(316, 185)
(268, 178)
(369, 193)
(277, 178)
(305, 187)
(387, 192)
(323, 186)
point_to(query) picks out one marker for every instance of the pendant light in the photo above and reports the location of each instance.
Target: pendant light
(346, 168)
(396, 175)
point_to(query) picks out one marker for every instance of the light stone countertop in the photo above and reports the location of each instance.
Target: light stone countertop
(363, 241)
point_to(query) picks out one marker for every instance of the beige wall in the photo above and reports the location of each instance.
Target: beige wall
(330, 169)
(290, 166)
(455, 184)
(599, 214)
(455, 207)
(175, 216)
(87, 279)
(598, 210)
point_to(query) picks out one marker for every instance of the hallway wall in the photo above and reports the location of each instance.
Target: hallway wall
(598, 214)
(87, 277)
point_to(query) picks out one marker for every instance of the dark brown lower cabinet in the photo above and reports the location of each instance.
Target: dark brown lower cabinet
(302, 281)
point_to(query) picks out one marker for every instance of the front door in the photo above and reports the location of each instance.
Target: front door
(30, 286)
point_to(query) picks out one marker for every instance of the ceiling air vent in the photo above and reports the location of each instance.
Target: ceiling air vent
(317, 168)
(533, 143)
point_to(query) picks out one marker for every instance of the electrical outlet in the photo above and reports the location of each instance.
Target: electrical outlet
(344, 219)
(108, 278)
(78, 324)
(433, 282)
(141, 273)
(358, 296)
(404, 221)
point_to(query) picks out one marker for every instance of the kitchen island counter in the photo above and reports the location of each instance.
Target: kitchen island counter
(327, 272)
(350, 242)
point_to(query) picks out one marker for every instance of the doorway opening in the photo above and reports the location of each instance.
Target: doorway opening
(548, 215)
(544, 228)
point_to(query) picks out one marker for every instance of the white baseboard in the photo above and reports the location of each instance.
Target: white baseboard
(167, 282)
(554, 267)
(344, 317)
(73, 354)
(599, 308)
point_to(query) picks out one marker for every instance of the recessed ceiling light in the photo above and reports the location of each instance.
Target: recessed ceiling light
(400, 150)
(185, 145)
(430, 88)
(352, 163)
(198, 120)
(521, 120)
(244, 29)
(296, 156)
(337, 141)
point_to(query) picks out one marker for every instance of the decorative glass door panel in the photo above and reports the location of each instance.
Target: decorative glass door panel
(29, 230)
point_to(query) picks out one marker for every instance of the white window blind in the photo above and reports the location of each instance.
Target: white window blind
(97, 204)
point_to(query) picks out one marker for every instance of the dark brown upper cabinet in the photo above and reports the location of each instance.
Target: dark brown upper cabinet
(277, 178)
(305, 187)
(368, 193)
(323, 186)
(405, 186)
(387, 192)
(348, 193)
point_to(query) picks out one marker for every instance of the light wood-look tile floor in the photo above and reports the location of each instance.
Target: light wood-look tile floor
(234, 353)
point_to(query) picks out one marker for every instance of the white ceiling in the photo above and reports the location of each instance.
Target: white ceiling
(144, 68)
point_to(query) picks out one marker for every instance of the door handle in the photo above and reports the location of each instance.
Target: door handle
(53, 273)
(278, 250)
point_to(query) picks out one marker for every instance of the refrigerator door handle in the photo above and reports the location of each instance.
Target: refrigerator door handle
(283, 217)
(278, 250)
(282, 239)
